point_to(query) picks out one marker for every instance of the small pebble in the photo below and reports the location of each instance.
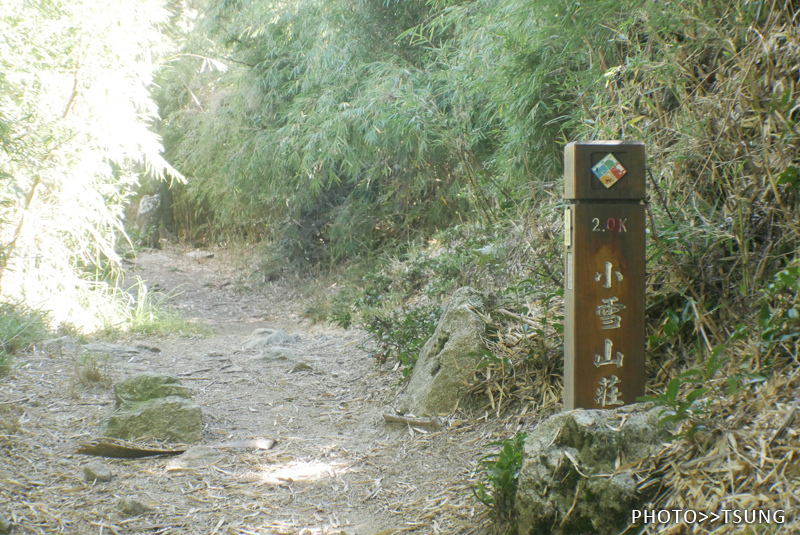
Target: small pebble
(96, 471)
(301, 367)
(130, 507)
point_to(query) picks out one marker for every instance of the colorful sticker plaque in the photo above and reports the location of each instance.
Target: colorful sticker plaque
(609, 170)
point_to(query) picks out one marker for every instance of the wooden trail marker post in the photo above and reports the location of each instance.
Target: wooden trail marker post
(604, 234)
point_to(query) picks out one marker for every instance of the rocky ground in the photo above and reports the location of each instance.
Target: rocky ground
(337, 467)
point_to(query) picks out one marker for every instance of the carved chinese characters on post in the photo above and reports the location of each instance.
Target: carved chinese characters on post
(607, 283)
(604, 288)
(608, 357)
(608, 313)
(608, 393)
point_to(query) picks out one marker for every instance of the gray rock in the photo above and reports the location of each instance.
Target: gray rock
(255, 343)
(301, 367)
(199, 255)
(448, 359)
(195, 457)
(262, 333)
(148, 219)
(276, 338)
(5, 525)
(95, 471)
(568, 483)
(282, 337)
(154, 406)
(113, 349)
(60, 345)
(277, 353)
(131, 507)
(148, 386)
(172, 418)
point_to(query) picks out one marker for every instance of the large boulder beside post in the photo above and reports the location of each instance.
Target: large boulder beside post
(573, 478)
(155, 406)
(448, 359)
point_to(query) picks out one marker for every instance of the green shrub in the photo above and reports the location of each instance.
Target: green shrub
(500, 472)
(779, 317)
(400, 334)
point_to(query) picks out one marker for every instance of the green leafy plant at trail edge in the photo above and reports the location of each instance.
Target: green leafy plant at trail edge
(401, 334)
(498, 490)
(693, 406)
(779, 317)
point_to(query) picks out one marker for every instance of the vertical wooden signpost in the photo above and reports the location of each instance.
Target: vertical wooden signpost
(604, 281)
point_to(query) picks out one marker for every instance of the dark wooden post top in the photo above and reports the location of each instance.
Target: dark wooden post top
(582, 158)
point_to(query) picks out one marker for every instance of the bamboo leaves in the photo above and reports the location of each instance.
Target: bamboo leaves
(76, 114)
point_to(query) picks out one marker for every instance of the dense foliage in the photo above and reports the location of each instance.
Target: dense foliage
(342, 127)
(338, 137)
(75, 136)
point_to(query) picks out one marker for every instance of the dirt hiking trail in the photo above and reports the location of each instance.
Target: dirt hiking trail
(337, 467)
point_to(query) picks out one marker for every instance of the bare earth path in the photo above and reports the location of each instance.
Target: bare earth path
(337, 467)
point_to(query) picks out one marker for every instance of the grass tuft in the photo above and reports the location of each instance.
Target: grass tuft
(151, 312)
(20, 326)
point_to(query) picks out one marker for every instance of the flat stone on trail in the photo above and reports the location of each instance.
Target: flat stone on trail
(156, 406)
(301, 367)
(147, 386)
(195, 457)
(277, 353)
(95, 471)
(172, 418)
(114, 349)
(199, 255)
(276, 338)
(130, 507)
(62, 344)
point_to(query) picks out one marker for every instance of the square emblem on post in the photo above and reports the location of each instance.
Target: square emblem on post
(604, 170)
(609, 170)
